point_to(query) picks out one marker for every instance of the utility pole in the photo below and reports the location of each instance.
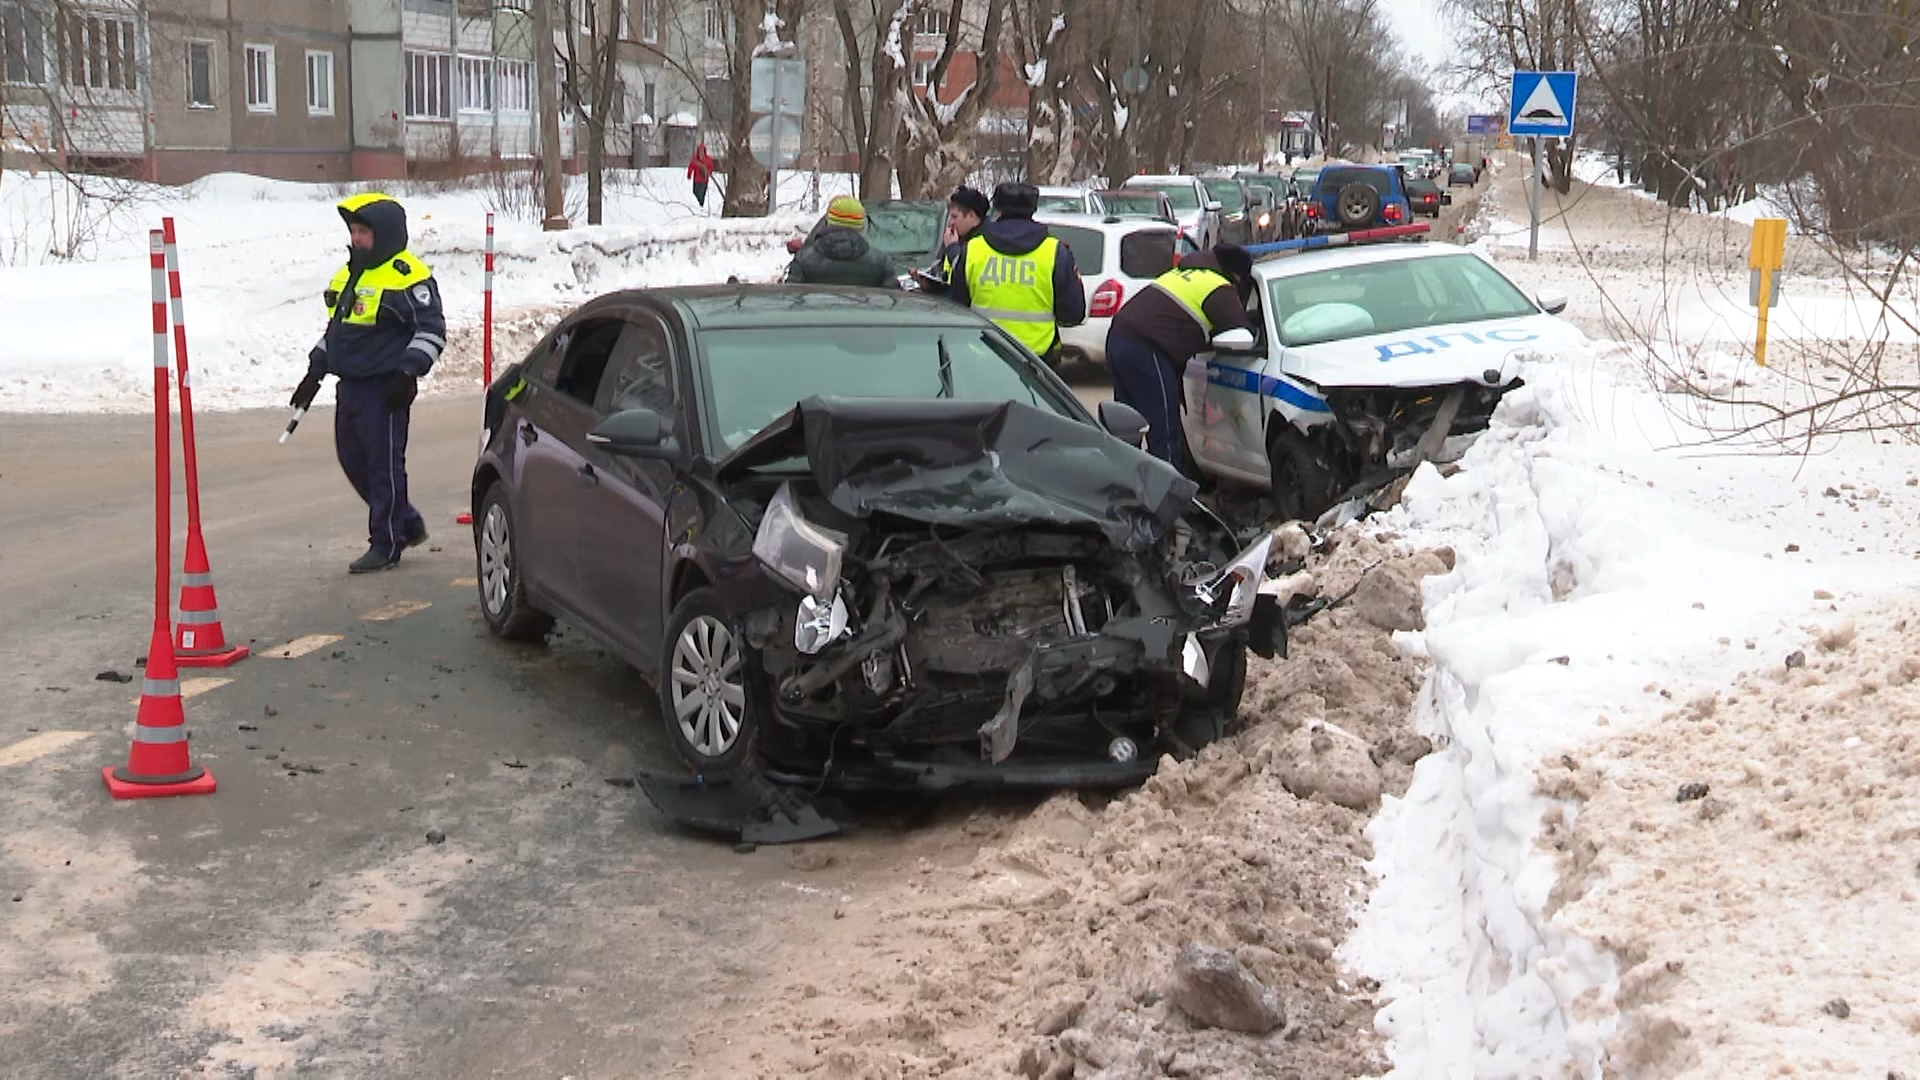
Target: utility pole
(1326, 122)
(549, 80)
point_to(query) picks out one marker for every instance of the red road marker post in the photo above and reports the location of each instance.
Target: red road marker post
(159, 763)
(199, 640)
(465, 517)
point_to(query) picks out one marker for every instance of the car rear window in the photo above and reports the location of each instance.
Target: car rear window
(1333, 180)
(1228, 193)
(1423, 187)
(1089, 246)
(1147, 254)
(1181, 195)
(1072, 203)
(1142, 203)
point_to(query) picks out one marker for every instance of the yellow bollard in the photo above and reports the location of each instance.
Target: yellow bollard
(1768, 254)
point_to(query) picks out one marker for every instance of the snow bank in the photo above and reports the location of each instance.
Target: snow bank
(256, 254)
(1590, 570)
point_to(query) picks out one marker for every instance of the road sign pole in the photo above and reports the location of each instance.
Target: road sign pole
(1533, 203)
(773, 144)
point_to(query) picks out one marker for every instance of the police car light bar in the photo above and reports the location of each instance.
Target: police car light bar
(1364, 236)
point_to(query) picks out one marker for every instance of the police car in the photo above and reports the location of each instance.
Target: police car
(1373, 355)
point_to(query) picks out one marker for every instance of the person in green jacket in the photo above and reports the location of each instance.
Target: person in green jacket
(839, 254)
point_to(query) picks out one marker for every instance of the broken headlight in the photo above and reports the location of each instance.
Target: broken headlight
(801, 553)
(818, 625)
(1238, 584)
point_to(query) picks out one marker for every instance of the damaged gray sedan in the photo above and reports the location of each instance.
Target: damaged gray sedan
(862, 539)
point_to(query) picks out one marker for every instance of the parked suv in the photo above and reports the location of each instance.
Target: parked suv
(1362, 196)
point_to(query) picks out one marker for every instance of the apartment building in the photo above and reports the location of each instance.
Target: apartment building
(329, 89)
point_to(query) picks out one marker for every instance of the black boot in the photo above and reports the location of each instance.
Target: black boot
(372, 561)
(418, 536)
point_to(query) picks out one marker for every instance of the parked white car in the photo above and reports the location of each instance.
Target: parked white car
(1199, 212)
(1070, 200)
(1369, 359)
(1117, 257)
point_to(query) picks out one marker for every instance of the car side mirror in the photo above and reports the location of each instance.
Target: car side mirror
(1213, 206)
(1552, 301)
(1237, 339)
(635, 433)
(1123, 422)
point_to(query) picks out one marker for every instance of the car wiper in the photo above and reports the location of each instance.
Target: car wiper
(946, 369)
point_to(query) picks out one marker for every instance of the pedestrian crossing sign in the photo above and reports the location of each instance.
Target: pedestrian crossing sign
(1541, 104)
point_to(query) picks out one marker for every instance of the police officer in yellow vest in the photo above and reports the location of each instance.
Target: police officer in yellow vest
(1020, 276)
(1167, 324)
(384, 331)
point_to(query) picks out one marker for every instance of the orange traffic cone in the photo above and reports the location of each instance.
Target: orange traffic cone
(159, 764)
(200, 640)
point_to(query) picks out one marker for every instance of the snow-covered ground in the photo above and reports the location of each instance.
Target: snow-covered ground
(256, 254)
(1520, 926)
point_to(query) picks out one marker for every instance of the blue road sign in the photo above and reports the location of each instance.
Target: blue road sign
(1542, 104)
(1476, 124)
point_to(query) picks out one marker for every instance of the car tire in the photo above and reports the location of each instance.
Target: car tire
(1213, 717)
(1357, 204)
(708, 697)
(503, 595)
(1304, 483)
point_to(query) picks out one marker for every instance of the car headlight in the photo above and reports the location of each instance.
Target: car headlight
(817, 625)
(1239, 582)
(800, 552)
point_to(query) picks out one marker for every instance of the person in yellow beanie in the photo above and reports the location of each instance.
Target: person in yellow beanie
(837, 252)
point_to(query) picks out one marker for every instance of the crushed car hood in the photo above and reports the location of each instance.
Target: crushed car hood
(975, 465)
(1431, 356)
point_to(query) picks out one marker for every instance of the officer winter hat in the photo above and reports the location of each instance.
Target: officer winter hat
(1234, 259)
(1015, 199)
(385, 216)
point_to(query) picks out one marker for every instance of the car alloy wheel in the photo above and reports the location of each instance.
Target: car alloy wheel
(708, 692)
(496, 559)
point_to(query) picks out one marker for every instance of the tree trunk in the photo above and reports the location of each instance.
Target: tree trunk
(746, 191)
(549, 89)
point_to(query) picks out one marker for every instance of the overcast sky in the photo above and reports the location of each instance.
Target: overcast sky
(1418, 24)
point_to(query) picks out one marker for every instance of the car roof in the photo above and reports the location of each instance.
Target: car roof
(735, 307)
(1061, 189)
(1311, 261)
(1159, 180)
(1107, 223)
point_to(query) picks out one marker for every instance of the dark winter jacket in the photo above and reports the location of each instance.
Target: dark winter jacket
(384, 312)
(1017, 236)
(1155, 317)
(837, 255)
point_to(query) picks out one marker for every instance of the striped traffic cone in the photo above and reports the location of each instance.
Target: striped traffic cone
(159, 763)
(200, 640)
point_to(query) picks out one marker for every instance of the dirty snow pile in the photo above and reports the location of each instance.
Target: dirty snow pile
(1185, 929)
(255, 255)
(1594, 576)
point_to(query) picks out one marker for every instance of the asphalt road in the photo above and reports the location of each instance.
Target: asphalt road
(298, 920)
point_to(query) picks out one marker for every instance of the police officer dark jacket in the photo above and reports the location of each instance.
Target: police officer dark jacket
(1019, 275)
(383, 306)
(1185, 307)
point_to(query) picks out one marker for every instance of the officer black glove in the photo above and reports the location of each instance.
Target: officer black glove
(400, 390)
(308, 389)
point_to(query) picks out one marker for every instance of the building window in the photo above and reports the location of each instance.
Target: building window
(319, 84)
(97, 51)
(716, 24)
(260, 78)
(476, 84)
(23, 41)
(922, 72)
(429, 86)
(516, 85)
(931, 22)
(649, 21)
(199, 74)
(648, 102)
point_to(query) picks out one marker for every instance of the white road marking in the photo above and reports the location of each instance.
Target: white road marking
(466, 583)
(35, 747)
(399, 609)
(299, 647)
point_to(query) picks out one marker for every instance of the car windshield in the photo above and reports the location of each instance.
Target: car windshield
(1181, 195)
(1388, 297)
(1227, 193)
(1070, 203)
(1147, 203)
(754, 377)
(905, 228)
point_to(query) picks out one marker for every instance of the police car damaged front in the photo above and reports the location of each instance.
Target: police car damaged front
(986, 592)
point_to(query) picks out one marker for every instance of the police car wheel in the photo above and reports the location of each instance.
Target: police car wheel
(1303, 484)
(503, 597)
(708, 693)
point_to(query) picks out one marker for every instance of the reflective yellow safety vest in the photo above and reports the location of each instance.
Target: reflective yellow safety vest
(1015, 291)
(1191, 287)
(397, 274)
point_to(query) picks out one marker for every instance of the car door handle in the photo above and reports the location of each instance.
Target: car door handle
(528, 435)
(587, 475)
